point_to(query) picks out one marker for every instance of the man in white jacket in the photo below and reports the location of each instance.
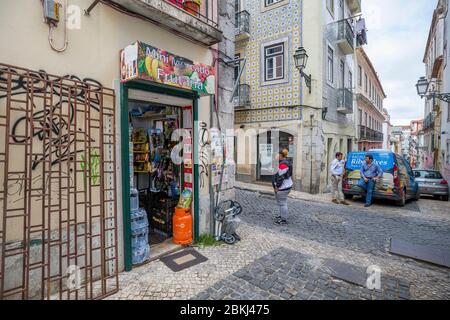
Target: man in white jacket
(337, 174)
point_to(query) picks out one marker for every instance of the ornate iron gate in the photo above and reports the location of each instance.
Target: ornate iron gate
(58, 226)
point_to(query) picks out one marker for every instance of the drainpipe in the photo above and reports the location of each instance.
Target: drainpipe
(311, 116)
(214, 103)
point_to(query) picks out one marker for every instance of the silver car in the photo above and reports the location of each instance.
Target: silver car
(432, 183)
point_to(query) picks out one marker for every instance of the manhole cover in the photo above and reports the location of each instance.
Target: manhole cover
(332, 218)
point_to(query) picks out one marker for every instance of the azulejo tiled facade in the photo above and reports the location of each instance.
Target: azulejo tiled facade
(271, 102)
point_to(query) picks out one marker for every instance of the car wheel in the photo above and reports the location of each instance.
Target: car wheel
(402, 201)
(348, 196)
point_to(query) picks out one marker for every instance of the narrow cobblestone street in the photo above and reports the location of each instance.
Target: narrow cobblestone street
(291, 262)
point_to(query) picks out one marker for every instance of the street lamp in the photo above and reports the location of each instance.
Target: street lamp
(422, 86)
(301, 59)
(423, 91)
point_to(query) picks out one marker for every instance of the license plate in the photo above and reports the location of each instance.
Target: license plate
(351, 182)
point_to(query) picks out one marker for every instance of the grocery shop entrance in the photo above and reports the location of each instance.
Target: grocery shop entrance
(158, 146)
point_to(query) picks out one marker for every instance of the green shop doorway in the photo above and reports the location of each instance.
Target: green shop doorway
(149, 114)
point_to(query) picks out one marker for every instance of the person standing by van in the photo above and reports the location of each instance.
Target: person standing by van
(371, 172)
(282, 185)
(337, 174)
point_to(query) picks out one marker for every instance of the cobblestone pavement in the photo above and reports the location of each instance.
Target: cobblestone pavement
(290, 262)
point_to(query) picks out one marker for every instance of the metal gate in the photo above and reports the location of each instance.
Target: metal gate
(58, 226)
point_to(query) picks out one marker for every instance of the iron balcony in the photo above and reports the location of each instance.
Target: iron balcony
(201, 26)
(242, 22)
(367, 134)
(345, 101)
(346, 37)
(241, 98)
(428, 122)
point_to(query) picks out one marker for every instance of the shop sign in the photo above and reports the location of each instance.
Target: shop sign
(141, 61)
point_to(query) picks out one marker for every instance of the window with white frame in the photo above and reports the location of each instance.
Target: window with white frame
(274, 62)
(271, 2)
(330, 65)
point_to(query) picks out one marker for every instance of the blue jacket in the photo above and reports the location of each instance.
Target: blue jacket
(372, 171)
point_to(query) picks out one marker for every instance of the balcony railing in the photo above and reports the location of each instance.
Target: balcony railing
(242, 21)
(185, 17)
(346, 37)
(428, 122)
(241, 98)
(368, 134)
(345, 101)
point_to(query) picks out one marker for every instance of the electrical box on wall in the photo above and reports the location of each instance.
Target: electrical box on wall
(51, 10)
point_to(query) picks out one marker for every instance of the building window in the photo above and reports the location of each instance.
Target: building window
(341, 9)
(237, 67)
(359, 76)
(342, 74)
(330, 65)
(350, 80)
(330, 6)
(366, 81)
(271, 2)
(448, 112)
(274, 62)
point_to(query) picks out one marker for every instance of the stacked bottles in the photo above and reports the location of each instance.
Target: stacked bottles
(139, 236)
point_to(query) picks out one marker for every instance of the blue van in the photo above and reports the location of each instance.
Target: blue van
(398, 182)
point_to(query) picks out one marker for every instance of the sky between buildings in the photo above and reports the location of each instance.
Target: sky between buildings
(397, 35)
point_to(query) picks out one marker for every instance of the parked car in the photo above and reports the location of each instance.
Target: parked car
(398, 182)
(432, 183)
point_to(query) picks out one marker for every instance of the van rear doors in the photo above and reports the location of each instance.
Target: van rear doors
(386, 160)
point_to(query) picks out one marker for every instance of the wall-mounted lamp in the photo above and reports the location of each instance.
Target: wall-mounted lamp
(301, 59)
(423, 90)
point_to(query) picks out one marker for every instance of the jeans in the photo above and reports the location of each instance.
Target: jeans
(336, 188)
(281, 197)
(368, 188)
